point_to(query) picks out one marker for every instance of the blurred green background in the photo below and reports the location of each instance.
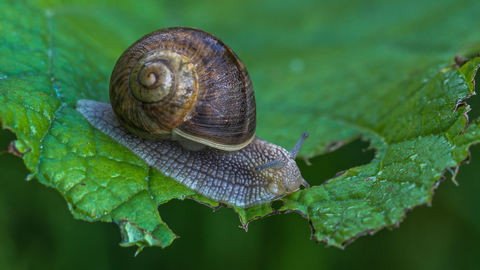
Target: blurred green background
(38, 232)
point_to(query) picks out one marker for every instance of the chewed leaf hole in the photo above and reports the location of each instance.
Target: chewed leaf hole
(277, 204)
(348, 156)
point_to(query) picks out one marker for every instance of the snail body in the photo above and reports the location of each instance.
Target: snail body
(231, 177)
(183, 102)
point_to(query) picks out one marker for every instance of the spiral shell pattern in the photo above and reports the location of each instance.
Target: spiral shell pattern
(184, 82)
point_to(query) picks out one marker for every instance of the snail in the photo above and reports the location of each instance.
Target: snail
(182, 101)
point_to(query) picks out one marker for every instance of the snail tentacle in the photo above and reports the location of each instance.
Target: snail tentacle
(296, 149)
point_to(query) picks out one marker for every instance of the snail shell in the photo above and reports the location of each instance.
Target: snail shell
(184, 84)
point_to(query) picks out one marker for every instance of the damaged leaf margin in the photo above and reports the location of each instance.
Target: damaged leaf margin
(338, 219)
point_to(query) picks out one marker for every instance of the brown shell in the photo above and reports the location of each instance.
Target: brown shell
(214, 104)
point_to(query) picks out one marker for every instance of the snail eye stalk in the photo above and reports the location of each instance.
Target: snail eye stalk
(278, 163)
(298, 145)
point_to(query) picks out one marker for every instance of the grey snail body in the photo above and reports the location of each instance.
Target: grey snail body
(237, 168)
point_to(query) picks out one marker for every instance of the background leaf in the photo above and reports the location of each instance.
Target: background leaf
(357, 60)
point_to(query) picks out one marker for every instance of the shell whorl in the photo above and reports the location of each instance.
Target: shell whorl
(158, 73)
(187, 82)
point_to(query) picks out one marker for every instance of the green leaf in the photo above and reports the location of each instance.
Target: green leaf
(335, 77)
